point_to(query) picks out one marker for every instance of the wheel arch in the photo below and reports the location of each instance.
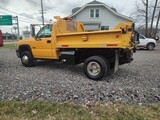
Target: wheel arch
(23, 48)
(86, 53)
(151, 43)
(150, 46)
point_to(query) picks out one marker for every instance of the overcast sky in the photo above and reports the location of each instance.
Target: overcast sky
(27, 10)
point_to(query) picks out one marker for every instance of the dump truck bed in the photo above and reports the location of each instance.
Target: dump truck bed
(70, 34)
(96, 39)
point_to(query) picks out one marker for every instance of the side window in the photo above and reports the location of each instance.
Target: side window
(92, 13)
(97, 13)
(45, 32)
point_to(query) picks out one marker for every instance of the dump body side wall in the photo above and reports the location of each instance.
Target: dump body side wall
(97, 39)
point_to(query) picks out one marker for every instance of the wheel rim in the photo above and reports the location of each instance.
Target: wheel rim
(93, 68)
(25, 59)
(150, 47)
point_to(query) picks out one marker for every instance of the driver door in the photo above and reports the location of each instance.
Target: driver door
(42, 45)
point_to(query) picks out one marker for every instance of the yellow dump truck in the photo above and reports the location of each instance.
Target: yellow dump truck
(68, 42)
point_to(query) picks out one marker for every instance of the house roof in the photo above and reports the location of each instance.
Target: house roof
(75, 9)
(97, 3)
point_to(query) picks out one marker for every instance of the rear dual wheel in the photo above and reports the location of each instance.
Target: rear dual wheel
(96, 67)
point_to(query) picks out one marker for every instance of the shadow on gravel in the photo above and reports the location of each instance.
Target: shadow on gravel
(75, 69)
(143, 49)
(50, 64)
(78, 70)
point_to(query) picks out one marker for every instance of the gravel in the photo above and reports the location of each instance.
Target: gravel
(137, 82)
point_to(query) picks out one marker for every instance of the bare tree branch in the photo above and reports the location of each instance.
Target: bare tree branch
(144, 2)
(145, 12)
(141, 11)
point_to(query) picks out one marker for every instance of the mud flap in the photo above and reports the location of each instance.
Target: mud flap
(116, 65)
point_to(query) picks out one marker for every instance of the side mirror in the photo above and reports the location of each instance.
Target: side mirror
(157, 38)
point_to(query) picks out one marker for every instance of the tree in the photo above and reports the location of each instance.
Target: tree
(156, 29)
(146, 11)
(146, 15)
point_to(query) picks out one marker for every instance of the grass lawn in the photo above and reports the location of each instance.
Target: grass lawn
(40, 110)
(11, 46)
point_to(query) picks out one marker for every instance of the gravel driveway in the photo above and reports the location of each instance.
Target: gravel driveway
(138, 82)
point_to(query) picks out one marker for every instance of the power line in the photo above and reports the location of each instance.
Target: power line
(42, 12)
(64, 11)
(26, 21)
(23, 18)
(8, 11)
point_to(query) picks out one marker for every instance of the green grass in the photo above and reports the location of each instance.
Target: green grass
(11, 46)
(40, 110)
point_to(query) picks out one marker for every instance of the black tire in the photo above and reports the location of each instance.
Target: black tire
(27, 59)
(150, 46)
(100, 64)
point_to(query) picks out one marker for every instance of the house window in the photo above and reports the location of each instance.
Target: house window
(92, 13)
(104, 27)
(97, 13)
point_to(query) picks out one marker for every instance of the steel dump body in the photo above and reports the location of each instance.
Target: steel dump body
(100, 39)
(95, 39)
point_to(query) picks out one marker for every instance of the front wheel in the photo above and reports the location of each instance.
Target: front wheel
(96, 67)
(150, 46)
(27, 59)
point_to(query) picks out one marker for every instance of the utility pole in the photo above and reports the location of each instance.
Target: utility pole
(18, 26)
(16, 22)
(42, 12)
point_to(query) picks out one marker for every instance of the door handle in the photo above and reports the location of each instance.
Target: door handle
(48, 41)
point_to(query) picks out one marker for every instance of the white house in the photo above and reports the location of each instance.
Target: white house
(98, 16)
